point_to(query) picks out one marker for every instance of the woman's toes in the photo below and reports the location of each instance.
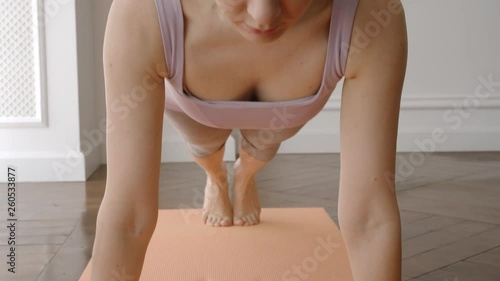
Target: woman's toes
(238, 221)
(211, 220)
(252, 219)
(247, 220)
(225, 222)
(257, 218)
(218, 221)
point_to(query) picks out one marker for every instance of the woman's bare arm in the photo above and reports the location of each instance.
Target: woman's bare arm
(368, 210)
(134, 109)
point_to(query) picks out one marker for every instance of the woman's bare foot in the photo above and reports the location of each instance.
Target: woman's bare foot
(216, 205)
(246, 205)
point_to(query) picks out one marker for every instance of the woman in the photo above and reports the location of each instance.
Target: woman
(265, 67)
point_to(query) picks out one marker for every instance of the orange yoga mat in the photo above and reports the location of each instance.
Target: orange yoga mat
(290, 244)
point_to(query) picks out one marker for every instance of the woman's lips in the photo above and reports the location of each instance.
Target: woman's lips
(258, 31)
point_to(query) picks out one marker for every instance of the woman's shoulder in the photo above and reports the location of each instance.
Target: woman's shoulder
(140, 31)
(378, 28)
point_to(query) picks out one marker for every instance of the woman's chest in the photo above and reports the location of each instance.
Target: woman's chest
(239, 74)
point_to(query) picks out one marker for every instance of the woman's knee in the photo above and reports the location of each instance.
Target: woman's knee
(206, 149)
(200, 140)
(263, 144)
(267, 138)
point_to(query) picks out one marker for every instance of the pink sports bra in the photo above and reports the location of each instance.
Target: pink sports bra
(252, 114)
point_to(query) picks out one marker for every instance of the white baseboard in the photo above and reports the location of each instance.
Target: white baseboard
(431, 101)
(472, 140)
(419, 117)
(45, 166)
(72, 166)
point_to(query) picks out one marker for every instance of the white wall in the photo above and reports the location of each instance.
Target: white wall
(51, 153)
(100, 14)
(91, 135)
(453, 46)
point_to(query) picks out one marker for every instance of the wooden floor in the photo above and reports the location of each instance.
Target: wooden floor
(450, 207)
